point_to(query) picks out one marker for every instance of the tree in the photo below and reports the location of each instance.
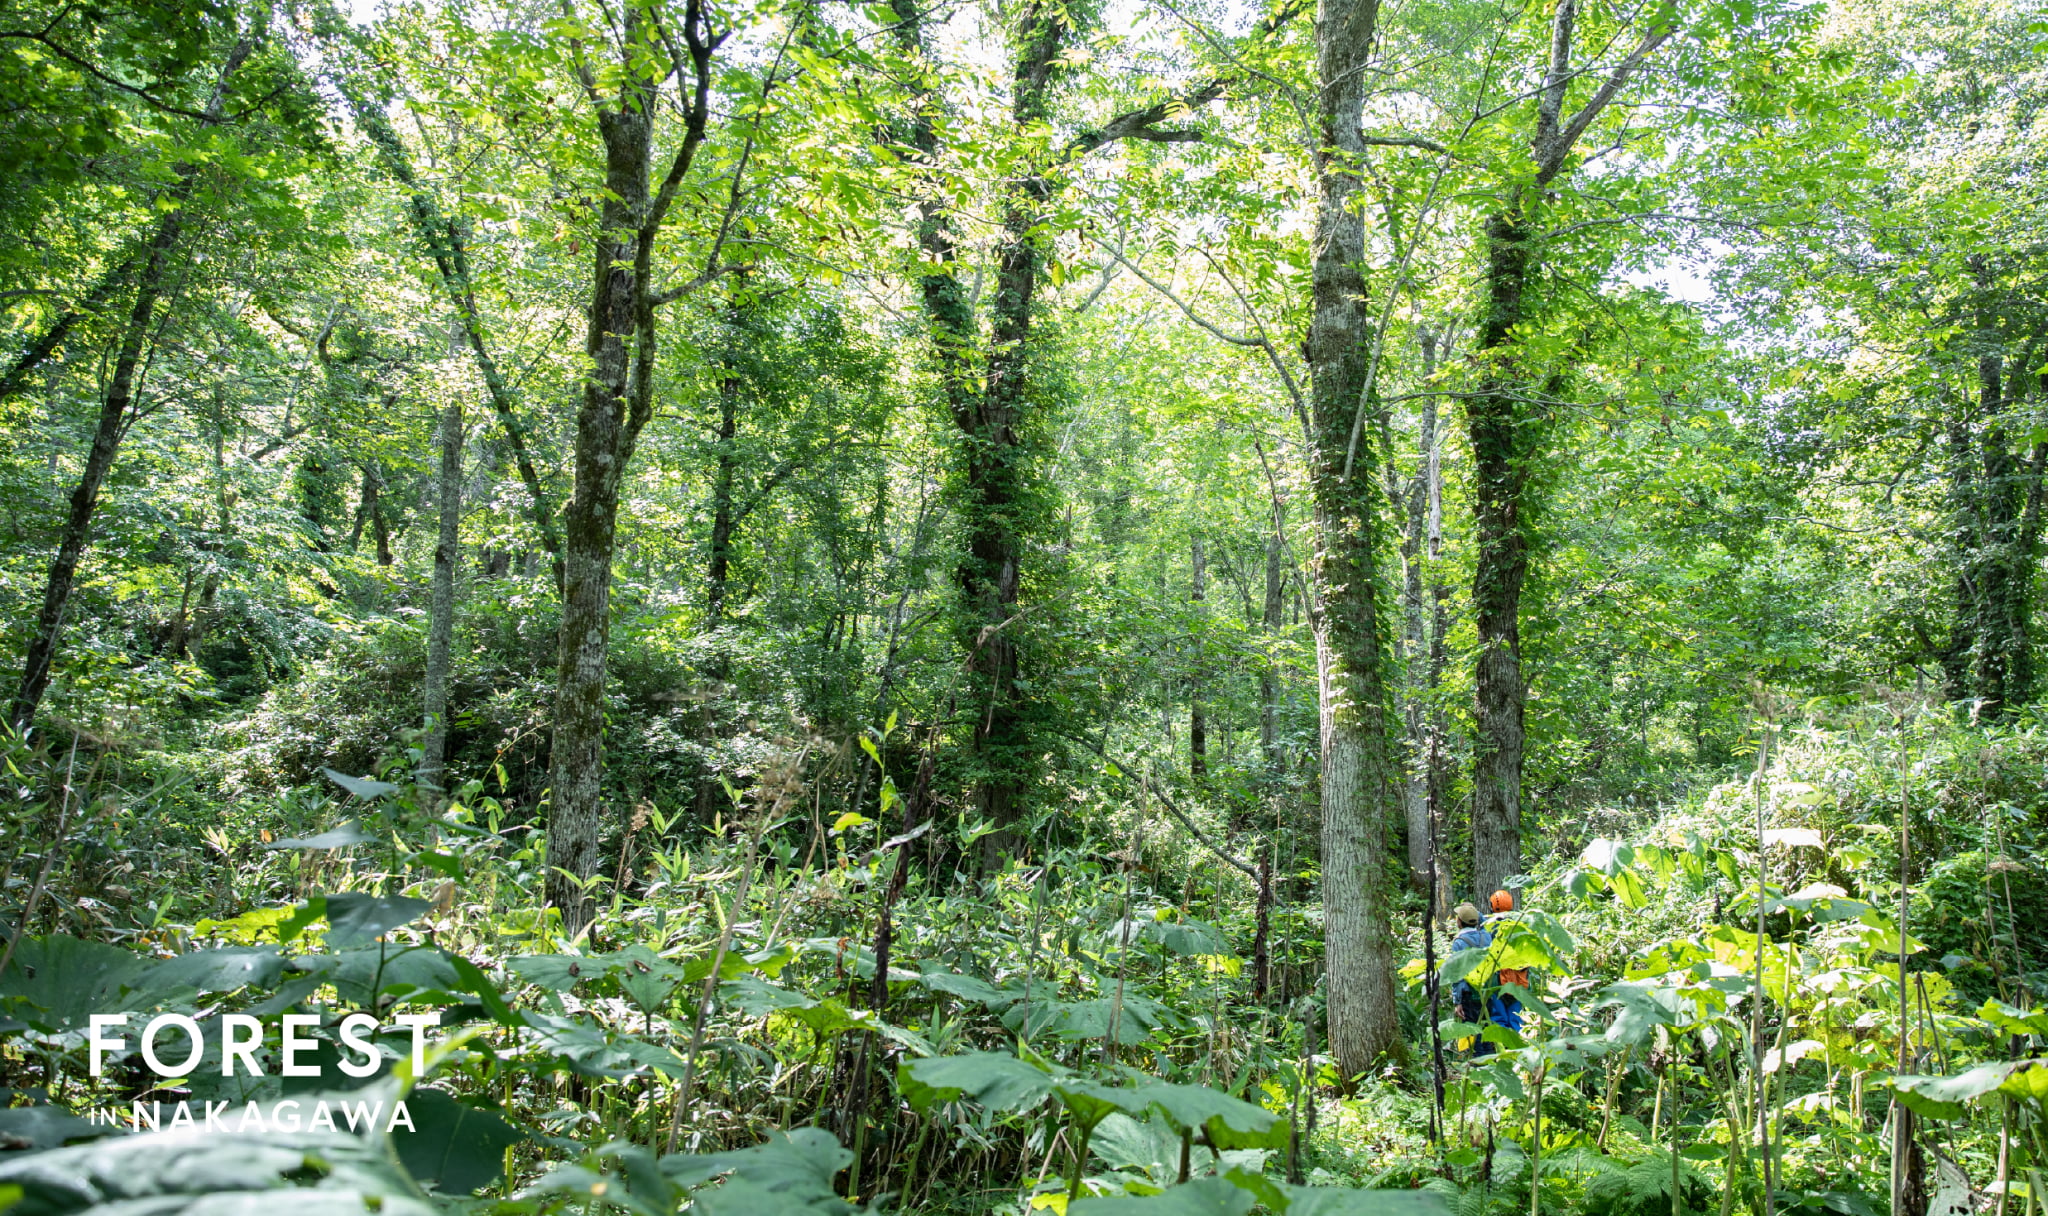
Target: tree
(618, 400)
(154, 279)
(1359, 773)
(1503, 418)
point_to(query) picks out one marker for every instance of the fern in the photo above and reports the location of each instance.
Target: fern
(1643, 1188)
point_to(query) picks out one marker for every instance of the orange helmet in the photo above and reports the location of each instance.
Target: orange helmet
(1503, 902)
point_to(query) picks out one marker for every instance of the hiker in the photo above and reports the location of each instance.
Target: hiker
(1483, 1002)
(1510, 1012)
(1465, 996)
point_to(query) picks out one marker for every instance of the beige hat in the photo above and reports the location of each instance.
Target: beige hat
(1466, 914)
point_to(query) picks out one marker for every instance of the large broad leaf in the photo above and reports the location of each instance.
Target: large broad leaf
(994, 1079)
(647, 978)
(2028, 1079)
(1132, 1018)
(333, 838)
(1202, 1197)
(362, 787)
(1150, 1147)
(587, 1049)
(45, 1127)
(1641, 1008)
(355, 919)
(169, 1174)
(363, 976)
(220, 970)
(757, 998)
(458, 1148)
(2015, 1021)
(1227, 1122)
(1947, 1097)
(969, 988)
(555, 972)
(788, 1174)
(1190, 938)
(1346, 1201)
(1090, 1102)
(57, 983)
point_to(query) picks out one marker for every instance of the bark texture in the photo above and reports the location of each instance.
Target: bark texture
(1419, 681)
(1499, 476)
(1358, 772)
(1198, 717)
(441, 605)
(1504, 436)
(1272, 620)
(618, 399)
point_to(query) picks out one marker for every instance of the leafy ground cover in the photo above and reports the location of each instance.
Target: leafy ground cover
(798, 1013)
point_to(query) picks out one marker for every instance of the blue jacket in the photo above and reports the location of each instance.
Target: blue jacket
(1470, 938)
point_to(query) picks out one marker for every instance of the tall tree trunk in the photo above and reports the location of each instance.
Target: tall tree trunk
(373, 512)
(996, 477)
(441, 607)
(2009, 539)
(443, 237)
(1504, 441)
(1416, 686)
(1499, 475)
(1272, 620)
(40, 657)
(618, 399)
(1439, 775)
(718, 568)
(1957, 652)
(590, 525)
(189, 627)
(1358, 773)
(1198, 721)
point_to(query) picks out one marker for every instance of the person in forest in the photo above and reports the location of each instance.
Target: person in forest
(1483, 1002)
(1510, 1012)
(1466, 998)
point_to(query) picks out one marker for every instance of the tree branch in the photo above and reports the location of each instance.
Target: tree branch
(1550, 155)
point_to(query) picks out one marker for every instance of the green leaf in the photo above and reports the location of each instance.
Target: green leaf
(333, 838)
(301, 918)
(224, 970)
(1201, 1197)
(757, 997)
(969, 988)
(555, 972)
(645, 976)
(1345, 1201)
(1228, 1122)
(1190, 938)
(57, 983)
(362, 787)
(354, 918)
(457, 1147)
(45, 1127)
(1947, 1097)
(308, 1173)
(789, 1173)
(2015, 1021)
(472, 979)
(994, 1079)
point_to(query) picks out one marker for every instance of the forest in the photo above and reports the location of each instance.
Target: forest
(1089, 607)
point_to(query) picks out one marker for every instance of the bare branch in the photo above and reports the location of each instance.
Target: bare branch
(1404, 141)
(1186, 309)
(1551, 154)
